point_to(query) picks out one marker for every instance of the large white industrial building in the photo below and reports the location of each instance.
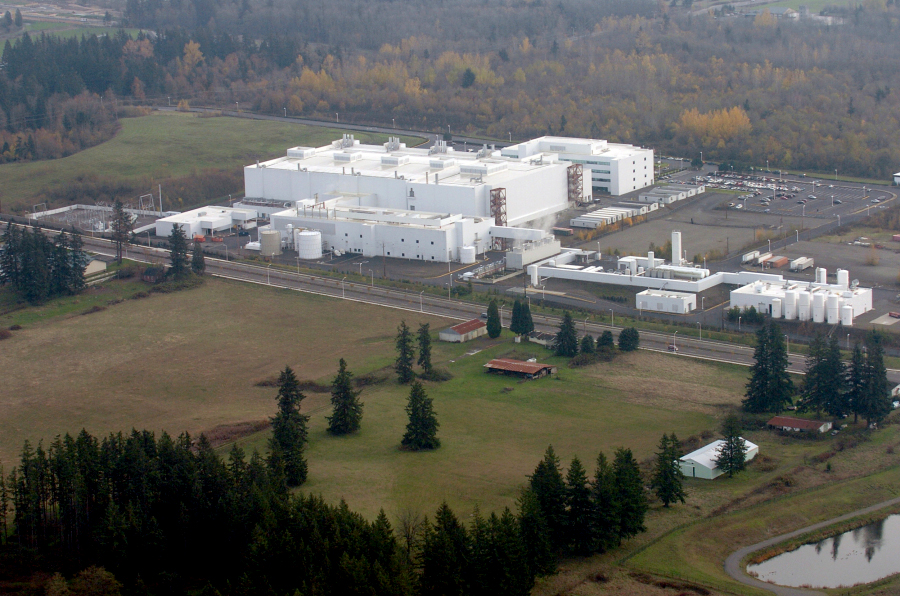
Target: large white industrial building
(483, 184)
(207, 220)
(612, 168)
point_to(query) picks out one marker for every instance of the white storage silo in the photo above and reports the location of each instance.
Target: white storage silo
(821, 275)
(843, 278)
(308, 243)
(803, 313)
(776, 308)
(818, 307)
(790, 305)
(651, 261)
(847, 315)
(270, 243)
(832, 309)
(467, 255)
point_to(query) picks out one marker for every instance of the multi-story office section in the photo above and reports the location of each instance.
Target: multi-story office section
(612, 168)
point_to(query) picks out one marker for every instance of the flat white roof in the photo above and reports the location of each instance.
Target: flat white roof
(778, 290)
(666, 293)
(415, 165)
(206, 213)
(706, 456)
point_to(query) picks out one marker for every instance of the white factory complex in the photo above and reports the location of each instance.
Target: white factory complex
(613, 168)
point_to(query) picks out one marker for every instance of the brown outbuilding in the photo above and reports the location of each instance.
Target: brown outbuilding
(519, 368)
(798, 424)
(464, 331)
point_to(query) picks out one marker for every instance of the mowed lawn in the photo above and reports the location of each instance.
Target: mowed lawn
(495, 429)
(182, 361)
(166, 145)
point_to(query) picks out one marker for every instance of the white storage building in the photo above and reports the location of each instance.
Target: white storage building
(435, 180)
(666, 301)
(610, 167)
(207, 220)
(702, 462)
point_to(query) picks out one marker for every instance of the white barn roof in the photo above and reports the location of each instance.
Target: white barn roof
(706, 456)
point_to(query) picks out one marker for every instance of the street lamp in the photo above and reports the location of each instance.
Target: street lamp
(832, 200)
(585, 325)
(342, 287)
(674, 345)
(739, 323)
(839, 220)
(393, 122)
(421, 308)
(237, 106)
(336, 119)
(770, 245)
(612, 318)
(501, 317)
(267, 274)
(170, 100)
(448, 132)
(835, 174)
(767, 165)
(360, 267)
(788, 340)
(702, 300)
(701, 330)
(373, 277)
(285, 112)
(848, 341)
(510, 137)
(798, 235)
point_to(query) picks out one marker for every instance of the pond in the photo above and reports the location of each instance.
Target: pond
(859, 556)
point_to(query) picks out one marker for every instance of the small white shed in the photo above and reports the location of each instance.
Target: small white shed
(702, 462)
(94, 266)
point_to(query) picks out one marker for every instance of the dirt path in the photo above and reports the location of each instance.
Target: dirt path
(733, 562)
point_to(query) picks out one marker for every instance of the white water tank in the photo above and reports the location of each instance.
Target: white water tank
(818, 308)
(776, 308)
(821, 275)
(790, 305)
(843, 278)
(651, 261)
(847, 315)
(467, 255)
(803, 313)
(833, 309)
(270, 243)
(308, 243)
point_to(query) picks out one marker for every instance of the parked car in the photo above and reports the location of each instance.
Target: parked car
(243, 233)
(810, 196)
(673, 348)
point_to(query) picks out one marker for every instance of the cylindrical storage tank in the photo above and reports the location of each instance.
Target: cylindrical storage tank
(290, 233)
(776, 308)
(790, 305)
(650, 260)
(843, 278)
(270, 243)
(803, 313)
(832, 309)
(467, 256)
(821, 275)
(676, 247)
(551, 262)
(847, 315)
(640, 270)
(818, 308)
(308, 243)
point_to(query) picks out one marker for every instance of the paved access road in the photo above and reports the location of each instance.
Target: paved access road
(692, 347)
(733, 563)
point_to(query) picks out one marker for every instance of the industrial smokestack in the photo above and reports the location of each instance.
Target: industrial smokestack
(676, 247)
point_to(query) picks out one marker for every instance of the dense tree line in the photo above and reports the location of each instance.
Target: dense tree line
(38, 268)
(860, 388)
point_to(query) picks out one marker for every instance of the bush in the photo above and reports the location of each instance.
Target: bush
(583, 359)
(436, 375)
(629, 339)
(15, 327)
(139, 295)
(93, 309)
(126, 272)
(5, 334)
(187, 283)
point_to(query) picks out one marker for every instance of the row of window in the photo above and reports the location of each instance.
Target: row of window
(401, 240)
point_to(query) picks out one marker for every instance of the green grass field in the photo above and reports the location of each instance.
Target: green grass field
(165, 145)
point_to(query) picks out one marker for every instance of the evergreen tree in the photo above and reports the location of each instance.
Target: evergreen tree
(18, 18)
(630, 494)
(550, 490)
(535, 535)
(605, 504)
(731, 457)
(11, 256)
(605, 341)
(7, 21)
(835, 402)
(587, 345)
(493, 320)
(444, 556)
(629, 339)
(667, 475)
(579, 530)
(198, 260)
(122, 226)
(34, 274)
(289, 433)
(856, 382)
(178, 253)
(876, 402)
(566, 343)
(770, 387)
(78, 261)
(813, 391)
(404, 362)
(424, 340)
(527, 322)
(515, 322)
(346, 409)
(421, 431)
